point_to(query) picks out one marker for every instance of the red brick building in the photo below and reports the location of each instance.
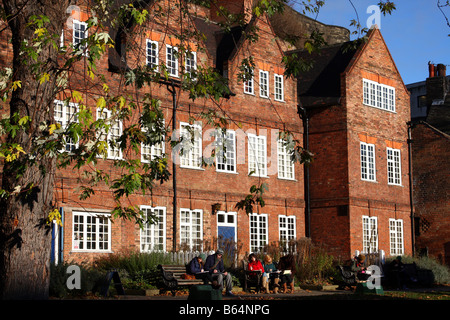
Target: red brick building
(430, 157)
(357, 108)
(205, 197)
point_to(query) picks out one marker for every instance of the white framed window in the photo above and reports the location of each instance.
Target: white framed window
(396, 236)
(190, 62)
(113, 134)
(259, 231)
(191, 229)
(287, 229)
(191, 145)
(153, 234)
(150, 152)
(65, 114)
(368, 171)
(370, 234)
(285, 164)
(378, 95)
(91, 231)
(257, 155)
(279, 87)
(249, 86)
(152, 52)
(172, 60)
(79, 34)
(394, 170)
(226, 151)
(264, 84)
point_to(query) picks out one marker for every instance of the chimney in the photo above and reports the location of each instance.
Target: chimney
(437, 84)
(441, 70)
(430, 70)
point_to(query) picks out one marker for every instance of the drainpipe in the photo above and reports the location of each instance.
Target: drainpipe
(171, 89)
(61, 237)
(411, 198)
(304, 116)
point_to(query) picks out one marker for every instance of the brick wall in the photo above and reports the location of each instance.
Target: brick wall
(339, 196)
(200, 189)
(431, 151)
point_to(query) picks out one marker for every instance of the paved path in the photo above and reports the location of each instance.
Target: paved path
(299, 293)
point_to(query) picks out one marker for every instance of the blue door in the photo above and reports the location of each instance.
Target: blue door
(226, 231)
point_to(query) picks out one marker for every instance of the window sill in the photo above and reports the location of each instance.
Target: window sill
(288, 179)
(192, 168)
(223, 171)
(90, 251)
(373, 181)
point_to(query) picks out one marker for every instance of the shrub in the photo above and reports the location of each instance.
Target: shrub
(91, 280)
(136, 270)
(440, 272)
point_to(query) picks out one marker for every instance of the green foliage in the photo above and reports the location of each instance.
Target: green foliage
(136, 270)
(91, 280)
(440, 271)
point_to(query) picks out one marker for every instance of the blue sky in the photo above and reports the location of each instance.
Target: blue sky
(415, 33)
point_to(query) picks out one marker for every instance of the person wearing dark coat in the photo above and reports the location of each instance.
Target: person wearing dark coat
(214, 265)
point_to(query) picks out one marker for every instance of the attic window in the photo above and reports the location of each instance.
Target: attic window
(378, 95)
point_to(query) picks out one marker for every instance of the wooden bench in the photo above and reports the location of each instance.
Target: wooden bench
(252, 278)
(172, 277)
(348, 276)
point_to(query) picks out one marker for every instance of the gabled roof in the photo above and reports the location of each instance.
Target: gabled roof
(321, 84)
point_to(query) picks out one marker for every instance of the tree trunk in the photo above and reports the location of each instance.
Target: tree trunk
(25, 239)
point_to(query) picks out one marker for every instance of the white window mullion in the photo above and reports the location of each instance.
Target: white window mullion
(153, 235)
(91, 232)
(285, 163)
(191, 229)
(226, 151)
(79, 34)
(378, 95)
(191, 156)
(370, 234)
(172, 60)
(258, 231)
(152, 59)
(287, 229)
(257, 155)
(394, 166)
(396, 236)
(279, 87)
(367, 156)
(264, 84)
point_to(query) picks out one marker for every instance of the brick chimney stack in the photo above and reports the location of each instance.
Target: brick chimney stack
(437, 83)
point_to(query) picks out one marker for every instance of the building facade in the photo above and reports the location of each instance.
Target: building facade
(430, 157)
(358, 108)
(354, 196)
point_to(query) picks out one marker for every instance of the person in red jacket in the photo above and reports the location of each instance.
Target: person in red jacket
(255, 265)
